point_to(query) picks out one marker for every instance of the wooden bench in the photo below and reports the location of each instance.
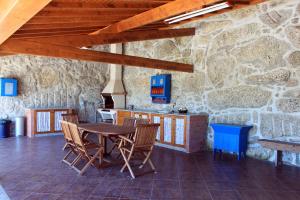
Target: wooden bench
(279, 147)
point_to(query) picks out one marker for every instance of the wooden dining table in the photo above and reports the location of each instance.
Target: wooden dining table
(103, 131)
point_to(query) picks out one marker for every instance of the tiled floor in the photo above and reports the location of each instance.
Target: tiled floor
(31, 169)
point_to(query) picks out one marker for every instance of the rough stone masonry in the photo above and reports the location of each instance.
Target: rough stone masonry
(247, 71)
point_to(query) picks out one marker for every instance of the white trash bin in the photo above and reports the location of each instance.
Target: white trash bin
(19, 126)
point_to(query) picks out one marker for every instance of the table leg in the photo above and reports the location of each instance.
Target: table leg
(101, 142)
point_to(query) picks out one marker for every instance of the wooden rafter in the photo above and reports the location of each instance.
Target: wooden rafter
(106, 4)
(17, 15)
(41, 49)
(111, 38)
(156, 14)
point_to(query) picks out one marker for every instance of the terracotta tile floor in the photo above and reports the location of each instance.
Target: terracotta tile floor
(31, 169)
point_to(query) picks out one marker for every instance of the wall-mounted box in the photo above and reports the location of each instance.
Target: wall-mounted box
(8, 87)
(161, 88)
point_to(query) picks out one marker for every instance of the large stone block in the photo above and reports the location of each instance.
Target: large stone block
(243, 13)
(219, 68)
(48, 78)
(166, 49)
(293, 34)
(292, 93)
(208, 27)
(294, 59)
(266, 52)
(229, 38)
(280, 76)
(238, 97)
(275, 18)
(289, 105)
(276, 125)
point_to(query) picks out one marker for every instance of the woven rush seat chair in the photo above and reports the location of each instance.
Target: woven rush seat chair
(142, 143)
(87, 151)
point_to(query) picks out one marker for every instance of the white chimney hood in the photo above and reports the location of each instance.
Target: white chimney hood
(115, 84)
(115, 87)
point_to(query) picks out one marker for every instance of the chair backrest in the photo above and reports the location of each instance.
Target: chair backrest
(145, 135)
(129, 122)
(70, 117)
(76, 136)
(139, 121)
(66, 130)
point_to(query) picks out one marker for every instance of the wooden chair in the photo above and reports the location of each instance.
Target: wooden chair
(69, 143)
(142, 143)
(128, 122)
(69, 117)
(85, 150)
(139, 121)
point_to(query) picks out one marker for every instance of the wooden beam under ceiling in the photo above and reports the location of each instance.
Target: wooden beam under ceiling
(17, 15)
(111, 38)
(156, 14)
(41, 49)
(106, 4)
(74, 12)
(5, 54)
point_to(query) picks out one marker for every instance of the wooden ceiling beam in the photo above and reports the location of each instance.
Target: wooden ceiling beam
(63, 25)
(106, 4)
(17, 15)
(89, 11)
(75, 19)
(110, 38)
(41, 49)
(156, 14)
(6, 54)
(52, 34)
(72, 29)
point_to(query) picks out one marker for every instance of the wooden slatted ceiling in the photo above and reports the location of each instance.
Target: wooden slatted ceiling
(47, 22)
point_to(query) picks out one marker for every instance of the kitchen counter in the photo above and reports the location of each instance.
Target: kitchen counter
(179, 131)
(165, 112)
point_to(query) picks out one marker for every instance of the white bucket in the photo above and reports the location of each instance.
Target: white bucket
(19, 126)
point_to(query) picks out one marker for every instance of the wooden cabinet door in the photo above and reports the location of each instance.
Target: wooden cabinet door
(167, 129)
(43, 121)
(57, 118)
(121, 115)
(156, 118)
(179, 130)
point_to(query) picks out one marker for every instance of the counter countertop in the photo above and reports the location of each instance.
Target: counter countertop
(165, 112)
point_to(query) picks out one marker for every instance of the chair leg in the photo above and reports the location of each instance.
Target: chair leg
(90, 162)
(147, 159)
(66, 156)
(127, 163)
(65, 146)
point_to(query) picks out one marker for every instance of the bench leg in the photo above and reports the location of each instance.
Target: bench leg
(215, 152)
(278, 158)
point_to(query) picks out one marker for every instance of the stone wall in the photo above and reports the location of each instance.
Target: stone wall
(247, 70)
(53, 83)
